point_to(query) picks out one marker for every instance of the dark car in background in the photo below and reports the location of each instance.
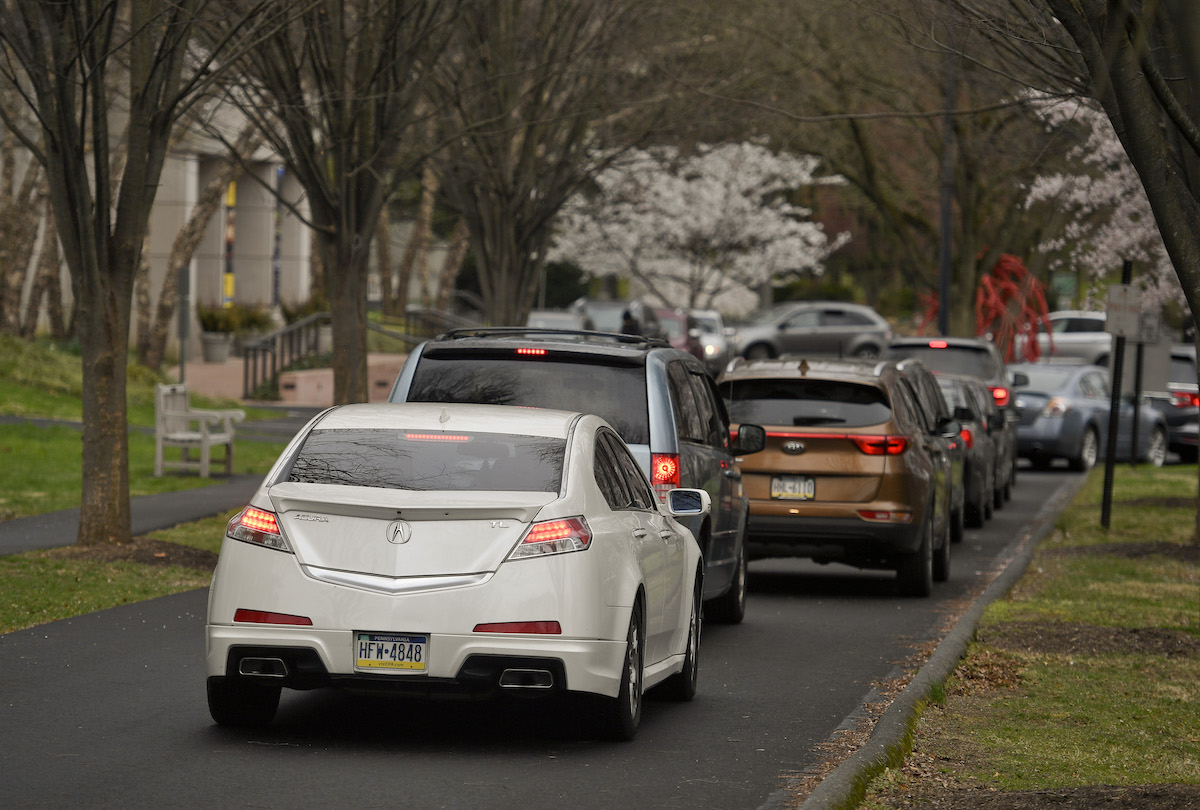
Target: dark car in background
(661, 401)
(972, 405)
(1065, 415)
(851, 472)
(831, 328)
(974, 356)
(1180, 404)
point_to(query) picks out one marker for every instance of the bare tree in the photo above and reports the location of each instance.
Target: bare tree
(521, 92)
(333, 92)
(65, 59)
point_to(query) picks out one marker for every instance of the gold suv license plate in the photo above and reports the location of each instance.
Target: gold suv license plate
(391, 652)
(794, 487)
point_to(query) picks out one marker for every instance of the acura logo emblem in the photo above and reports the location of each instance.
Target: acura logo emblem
(795, 448)
(399, 532)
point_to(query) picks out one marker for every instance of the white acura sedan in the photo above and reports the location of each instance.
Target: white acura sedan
(456, 548)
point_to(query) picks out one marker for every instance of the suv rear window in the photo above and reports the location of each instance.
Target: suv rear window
(805, 402)
(953, 360)
(398, 459)
(615, 392)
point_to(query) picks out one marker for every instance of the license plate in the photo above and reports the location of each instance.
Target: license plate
(391, 652)
(794, 487)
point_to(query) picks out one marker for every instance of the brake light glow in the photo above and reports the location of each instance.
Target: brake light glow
(938, 344)
(526, 350)
(1182, 399)
(537, 628)
(885, 516)
(259, 527)
(267, 617)
(1000, 394)
(664, 473)
(880, 445)
(436, 437)
(968, 437)
(553, 537)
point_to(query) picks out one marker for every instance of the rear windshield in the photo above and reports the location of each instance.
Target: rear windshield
(398, 459)
(805, 402)
(616, 393)
(953, 360)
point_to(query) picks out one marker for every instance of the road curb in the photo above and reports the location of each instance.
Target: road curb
(843, 787)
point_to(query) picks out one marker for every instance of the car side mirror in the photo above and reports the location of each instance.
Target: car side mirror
(688, 502)
(750, 439)
(948, 427)
(1019, 379)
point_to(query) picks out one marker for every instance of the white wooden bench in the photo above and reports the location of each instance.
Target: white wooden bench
(178, 424)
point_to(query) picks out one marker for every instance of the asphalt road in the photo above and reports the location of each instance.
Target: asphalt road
(108, 709)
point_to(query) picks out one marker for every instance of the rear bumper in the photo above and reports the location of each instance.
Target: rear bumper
(852, 540)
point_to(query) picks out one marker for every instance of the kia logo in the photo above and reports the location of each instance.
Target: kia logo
(399, 532)
(793, 447)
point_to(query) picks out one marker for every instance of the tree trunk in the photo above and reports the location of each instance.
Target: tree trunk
(141, 301)
(383, 261)
(460, 240)
(347, 286)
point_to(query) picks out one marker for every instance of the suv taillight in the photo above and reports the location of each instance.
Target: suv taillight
(880, 445)
(664, 473)
(1000, 394)
(968, 437)
(1183, 399)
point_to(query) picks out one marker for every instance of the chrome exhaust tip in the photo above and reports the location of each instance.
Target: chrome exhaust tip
(526, 679)
(262, 668)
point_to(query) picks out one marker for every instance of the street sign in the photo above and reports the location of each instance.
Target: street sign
(1124, 314)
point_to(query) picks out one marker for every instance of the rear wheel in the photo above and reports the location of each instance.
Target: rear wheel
(730, 607)
(682, 686)
(242, 702)
(915, 570)
(867, 352)
(620, 715)
(1089, 449)
(759, 351)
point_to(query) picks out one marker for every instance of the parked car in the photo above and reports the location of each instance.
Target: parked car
(679, 328)
(1072, 333)
(1180, 404)
(558, 319)
(449, 548)
(1065, 414)
(607, 315)
(851, 473)
(660, 400)
(972, 405)
(980, 358)
(714, 339)
(813, 328)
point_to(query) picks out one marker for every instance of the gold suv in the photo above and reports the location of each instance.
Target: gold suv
(853, 472)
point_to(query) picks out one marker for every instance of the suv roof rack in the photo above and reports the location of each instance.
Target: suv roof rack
(533, 331)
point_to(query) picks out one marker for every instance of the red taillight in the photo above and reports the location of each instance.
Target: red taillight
(529, 351)
(267, 617)
(885, 516)
(664, 473)
(968, 436)
(1000, 394)
(1182, 399)
(253, 525)
(554, 537)
(538, 628)
(880, 445)
(938, 344)
(436, 437)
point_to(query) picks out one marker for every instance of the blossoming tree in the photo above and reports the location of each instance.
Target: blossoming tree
(706, 229)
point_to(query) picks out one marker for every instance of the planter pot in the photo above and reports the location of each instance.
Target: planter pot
(215, 346)
(324, 338)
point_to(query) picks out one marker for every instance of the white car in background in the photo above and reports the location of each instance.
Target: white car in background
(474, 549)
(1073, 333)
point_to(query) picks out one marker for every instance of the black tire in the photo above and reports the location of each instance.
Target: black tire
(730, 607)
(941, 560)
(243, 703)
(914, 572)
(1089, 450)
(620, 716)
(958, 525)
(682, 685)
(866, 352)
(988, 509)
(974, 515)
(759, 351)
(1009, 481)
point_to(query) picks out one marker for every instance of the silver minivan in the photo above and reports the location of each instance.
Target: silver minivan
(660, 400)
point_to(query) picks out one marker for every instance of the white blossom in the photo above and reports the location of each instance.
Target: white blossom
(702, 230)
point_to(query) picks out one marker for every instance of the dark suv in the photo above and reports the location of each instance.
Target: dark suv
(660, 400)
